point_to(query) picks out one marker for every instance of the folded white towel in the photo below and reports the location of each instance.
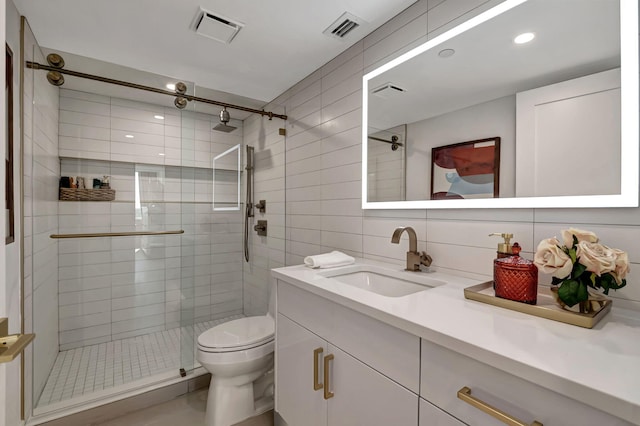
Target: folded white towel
(329, 260)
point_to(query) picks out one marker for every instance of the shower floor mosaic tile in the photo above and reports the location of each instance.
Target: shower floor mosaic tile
(94, 368)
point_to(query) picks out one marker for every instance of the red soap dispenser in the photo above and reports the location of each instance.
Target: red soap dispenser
(516, 278)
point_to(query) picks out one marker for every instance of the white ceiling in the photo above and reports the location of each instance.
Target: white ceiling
(280, 44)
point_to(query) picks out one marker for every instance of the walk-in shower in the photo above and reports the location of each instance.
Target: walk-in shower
(117, 289)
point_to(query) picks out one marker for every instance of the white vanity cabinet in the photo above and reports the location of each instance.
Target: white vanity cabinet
(434, 358)
(338, 367)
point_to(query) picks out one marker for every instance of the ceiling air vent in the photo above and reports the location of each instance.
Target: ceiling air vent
(343, 26)
(216, 27)
(388, 91)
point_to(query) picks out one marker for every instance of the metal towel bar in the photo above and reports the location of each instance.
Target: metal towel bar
(116, 234)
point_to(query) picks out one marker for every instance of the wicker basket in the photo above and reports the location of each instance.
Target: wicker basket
(76, 194)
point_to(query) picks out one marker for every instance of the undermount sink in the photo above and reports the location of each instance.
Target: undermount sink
(383, 281)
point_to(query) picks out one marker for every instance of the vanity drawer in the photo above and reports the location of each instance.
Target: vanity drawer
(430, 415)
(445, 372)
(391, 351)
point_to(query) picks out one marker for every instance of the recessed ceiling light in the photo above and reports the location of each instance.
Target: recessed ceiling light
(524, 38)
(171, 86)
(159, 117)
(161, 153)
(128, 136)
(446, 53)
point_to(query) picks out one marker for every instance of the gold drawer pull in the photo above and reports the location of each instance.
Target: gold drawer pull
(465, 395)
(327, 394)
(316, 385)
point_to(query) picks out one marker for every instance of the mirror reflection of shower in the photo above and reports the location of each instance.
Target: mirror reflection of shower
(248, 201)
(386, 163)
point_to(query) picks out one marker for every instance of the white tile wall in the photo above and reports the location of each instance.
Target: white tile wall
(129, 286)
(269, 181)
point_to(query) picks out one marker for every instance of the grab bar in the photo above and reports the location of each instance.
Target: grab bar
(116, 234)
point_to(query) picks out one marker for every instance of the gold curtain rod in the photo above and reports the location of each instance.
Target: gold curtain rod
(37, 66)
(116, 234)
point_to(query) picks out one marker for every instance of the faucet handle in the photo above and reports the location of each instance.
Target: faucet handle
(425, 259)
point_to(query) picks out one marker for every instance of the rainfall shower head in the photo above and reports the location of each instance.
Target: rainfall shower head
(224, 119)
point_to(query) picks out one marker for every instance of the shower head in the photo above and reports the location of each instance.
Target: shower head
(224, 128)
(224, 119)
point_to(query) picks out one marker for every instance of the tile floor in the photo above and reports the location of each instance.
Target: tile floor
(93, 368)
(185, 410)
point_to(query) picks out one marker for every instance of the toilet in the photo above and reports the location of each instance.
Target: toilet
(239, 356)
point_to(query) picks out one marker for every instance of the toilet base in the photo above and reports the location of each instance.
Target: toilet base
(229, 402)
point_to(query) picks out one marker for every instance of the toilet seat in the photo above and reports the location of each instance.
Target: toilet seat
(238, 335)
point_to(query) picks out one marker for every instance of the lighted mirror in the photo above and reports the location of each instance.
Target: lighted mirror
(527, 97)
(226, 180)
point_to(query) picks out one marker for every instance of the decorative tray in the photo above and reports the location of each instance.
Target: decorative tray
(545, 308)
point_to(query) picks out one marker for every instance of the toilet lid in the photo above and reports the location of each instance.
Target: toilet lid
(249, 331)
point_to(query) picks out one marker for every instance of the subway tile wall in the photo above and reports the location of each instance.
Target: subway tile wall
(115, 288)
(267, 252)
(323, 172)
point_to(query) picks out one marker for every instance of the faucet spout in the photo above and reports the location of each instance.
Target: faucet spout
(414, 259)
(413, 238)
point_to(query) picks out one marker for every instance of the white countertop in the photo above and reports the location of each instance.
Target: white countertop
(599, 366)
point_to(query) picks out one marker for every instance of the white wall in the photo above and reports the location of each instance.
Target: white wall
(267, 252)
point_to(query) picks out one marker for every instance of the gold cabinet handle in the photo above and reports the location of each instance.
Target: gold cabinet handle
(465, 395)
(316, 385)
(327, 393)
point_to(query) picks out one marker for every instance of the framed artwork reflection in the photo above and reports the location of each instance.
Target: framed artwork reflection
(466, 170)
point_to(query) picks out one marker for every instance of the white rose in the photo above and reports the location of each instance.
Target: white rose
(551, 259)
(597, 258)
(567, 236)
(622, 265)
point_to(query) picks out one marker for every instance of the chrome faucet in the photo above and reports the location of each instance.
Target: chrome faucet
(414, 259)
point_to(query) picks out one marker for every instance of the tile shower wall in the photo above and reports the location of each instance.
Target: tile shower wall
(41, 175)
(267, 252)
(323, 172)
(128, 286)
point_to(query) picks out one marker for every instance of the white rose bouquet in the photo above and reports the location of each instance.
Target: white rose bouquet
(581, 262)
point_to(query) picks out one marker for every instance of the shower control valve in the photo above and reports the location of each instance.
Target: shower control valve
(262, 206)
(261, 228)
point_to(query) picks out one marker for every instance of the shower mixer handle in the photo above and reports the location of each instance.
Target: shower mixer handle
(261, 228)
(262, 206)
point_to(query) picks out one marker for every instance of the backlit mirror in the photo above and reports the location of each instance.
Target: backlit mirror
(529, 104)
